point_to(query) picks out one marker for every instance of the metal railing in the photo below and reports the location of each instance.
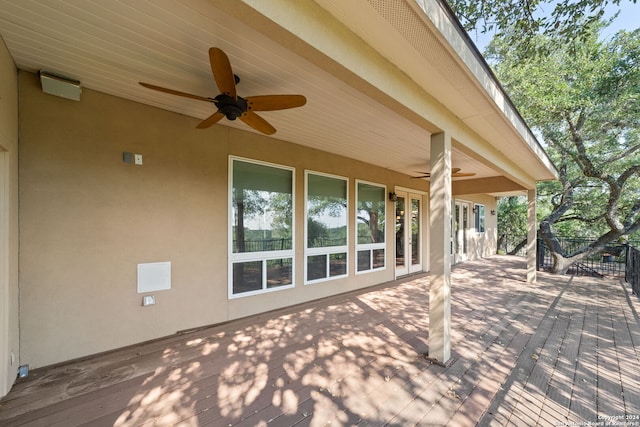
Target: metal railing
(619, 260)
(610, 261)
(263, 245)
(512, 244)
(632, 272)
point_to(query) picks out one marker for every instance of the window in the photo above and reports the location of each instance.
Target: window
(479, 218)
(261, 229)
(370, 220)
(326, 232)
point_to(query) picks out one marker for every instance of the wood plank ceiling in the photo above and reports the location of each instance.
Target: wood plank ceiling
(111, 45)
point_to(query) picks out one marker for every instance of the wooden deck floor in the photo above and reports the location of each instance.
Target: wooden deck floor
(563, 352)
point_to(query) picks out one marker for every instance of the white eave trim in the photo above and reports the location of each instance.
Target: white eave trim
(442, 18)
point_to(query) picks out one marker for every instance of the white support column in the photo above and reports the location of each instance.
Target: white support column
(532, 236)
(440, 248)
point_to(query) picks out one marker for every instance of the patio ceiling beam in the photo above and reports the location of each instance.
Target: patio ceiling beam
(496, 184)
(498, 161)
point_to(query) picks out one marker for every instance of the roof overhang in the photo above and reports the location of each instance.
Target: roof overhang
(380, 76)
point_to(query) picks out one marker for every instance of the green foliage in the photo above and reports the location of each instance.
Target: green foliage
(512, 216)
(583, 99)
(581, 95)
(522, 20)
(512, 224)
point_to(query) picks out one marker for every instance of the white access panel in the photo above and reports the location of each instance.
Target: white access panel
(154, 276)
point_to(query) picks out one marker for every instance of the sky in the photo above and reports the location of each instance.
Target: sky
(627, 19)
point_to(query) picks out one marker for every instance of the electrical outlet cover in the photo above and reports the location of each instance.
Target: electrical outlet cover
(148, 300)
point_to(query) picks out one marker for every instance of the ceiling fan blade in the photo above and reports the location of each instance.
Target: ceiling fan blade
(176, 92)
(222, 72)
(274, 102)
(455, 172)
(210, 121)
(257, 122)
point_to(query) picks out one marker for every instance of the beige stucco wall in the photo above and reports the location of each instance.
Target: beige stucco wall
(9, 330)
(88, 219)
(483, 244)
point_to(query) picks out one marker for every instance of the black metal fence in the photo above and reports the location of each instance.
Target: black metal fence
(632, 272)
(262, 245)
(616, 260)
(610, 261)
(512, 244)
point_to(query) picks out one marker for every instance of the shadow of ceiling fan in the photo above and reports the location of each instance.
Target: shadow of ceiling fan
(455, 173)
(232, 106)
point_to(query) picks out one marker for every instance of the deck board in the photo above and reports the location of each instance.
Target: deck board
(562, 351)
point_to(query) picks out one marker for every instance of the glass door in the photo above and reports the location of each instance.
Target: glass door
(408, 233)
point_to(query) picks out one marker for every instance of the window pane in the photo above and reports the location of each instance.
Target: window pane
(326, 211)
(262, 204)
(279, 272)
(338, 264)
(465, 226)
(479, 218)
(316, 267)
(400, 232)
(370, 214)
(378, 258)
(415, 231)
(364, 260)
(247, 276)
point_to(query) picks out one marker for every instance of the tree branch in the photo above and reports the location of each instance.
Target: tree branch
(580, 218)
(624, 154)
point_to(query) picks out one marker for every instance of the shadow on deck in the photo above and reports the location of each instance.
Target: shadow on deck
(562, 351)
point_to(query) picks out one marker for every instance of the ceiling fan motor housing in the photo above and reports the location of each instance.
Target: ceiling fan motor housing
(231, 107)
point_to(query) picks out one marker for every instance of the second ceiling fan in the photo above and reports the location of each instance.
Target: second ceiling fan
(455, 173)
(232, 106)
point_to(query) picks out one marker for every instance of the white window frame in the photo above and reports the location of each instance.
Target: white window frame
(370, 246)
(263, 256)
(327, 250)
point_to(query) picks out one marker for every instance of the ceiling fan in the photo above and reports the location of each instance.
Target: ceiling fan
(232, 106)
(455, 172)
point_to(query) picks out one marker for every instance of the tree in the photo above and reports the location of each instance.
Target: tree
(512, 223)
(583, 98)
(319, 209)
(521, 20)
